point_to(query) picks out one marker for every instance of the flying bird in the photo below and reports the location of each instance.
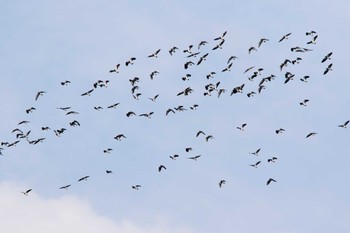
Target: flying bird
(30, 110)
(311, 134)
(83, 178)
(194, 157)
(27, 192)
(344, 125)
(222, 36)
(130, 61)
(228, 68)
(221, 183)
(280, 130)
(155, 54)
(40, 93)
(327, 57)
(255, 164)
(304, 102)
(173, 50)
(272, 160)
(329, 67)
(270, 180)
(65, 187)
(285, 37)
(136, 186)
(262, 40)
(256, 152)
(65, 83)
(116, 69)
(174, 157)
(199, 133)
(119, 137)
(241, 127)
(161, 167)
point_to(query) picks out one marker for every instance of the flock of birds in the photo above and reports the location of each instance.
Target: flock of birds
(191, 52)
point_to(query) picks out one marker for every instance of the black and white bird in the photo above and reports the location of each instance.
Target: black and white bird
(207, 138)
(153, 74)
(131, 113)
(130, 61)
(305, 78)
(174, 157)
(261, 41)
(304, 102)
(136, 187)
(241, 127)
(202, 58)
(270, 180)
(228, 68)
(272, 160)
(251, 49)
(313, 41)
(344, 125)
(232, 58)
(65, 187)
(256, 152)
(327, 57)
(88, 93)
(222, 36)
(65, 83)
(280, 130)
(173, 50)
(83, 178)
(310, 134)
(116, 69)
(194, 157)
(285, 37)
(30, 110)
(199, 133)
(119, 137)
(155, 54)
(107, 151)
(161, 167)
(113, 105)
(202, 43)
(329, 67)
(27, 192)
(40, 93)
(221, 183)
(153, 99)
(255, 164)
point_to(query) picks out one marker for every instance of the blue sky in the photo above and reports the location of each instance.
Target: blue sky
(45, 43)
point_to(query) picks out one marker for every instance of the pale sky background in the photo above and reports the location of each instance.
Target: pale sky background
(46, 42)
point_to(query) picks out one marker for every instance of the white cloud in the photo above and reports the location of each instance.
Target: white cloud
(32, 214)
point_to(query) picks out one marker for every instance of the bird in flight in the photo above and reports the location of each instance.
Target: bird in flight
(199, 133)
(116, 69)
(161, 167)
(280, 130)
(174, 157)
(27, 192)
(194, 157)
(270, 180)
(344, 125)
(83, 178)
(221, 183)
(304, 102)
(272, 160)
(329, 67)
(241, 127)
(256, 152)
(311, 134)
(155, 54)
(255, 164)
(40, 93)
(65, 187)
(136, 187)
(285, 37)
(327, 57)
